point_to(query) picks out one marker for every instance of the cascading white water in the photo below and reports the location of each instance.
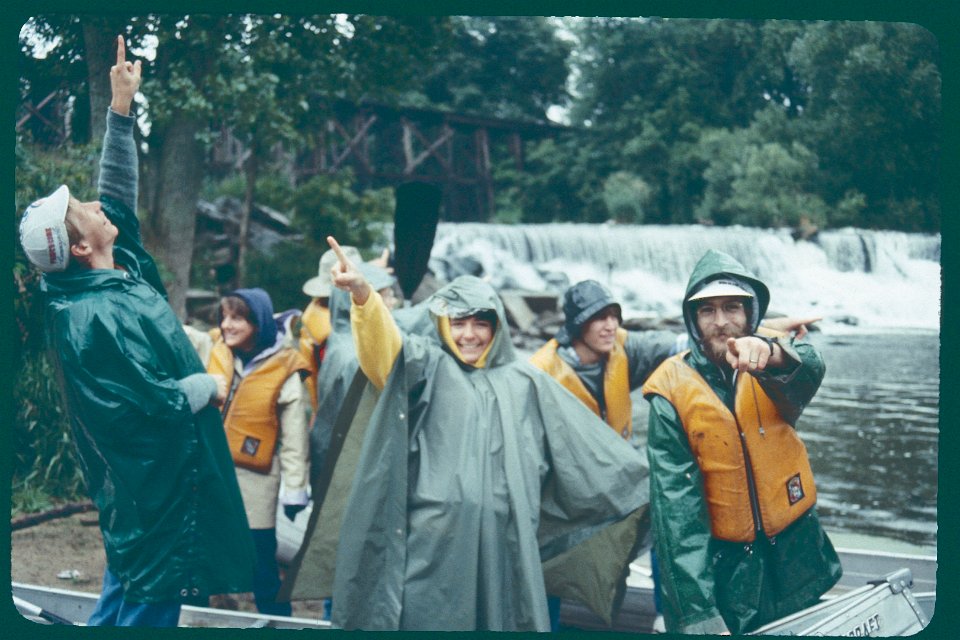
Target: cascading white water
(870, 280)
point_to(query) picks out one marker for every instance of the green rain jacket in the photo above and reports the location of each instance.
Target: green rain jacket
(161, 477)
(710, 585)
(457, 492)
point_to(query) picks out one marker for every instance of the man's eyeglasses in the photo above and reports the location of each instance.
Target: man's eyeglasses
(708, 311)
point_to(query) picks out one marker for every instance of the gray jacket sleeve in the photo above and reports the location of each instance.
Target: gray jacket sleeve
(645, 351)
(119, 172)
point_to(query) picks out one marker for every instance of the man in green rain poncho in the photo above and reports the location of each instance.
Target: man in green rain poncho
(141, 406)
(477, 480)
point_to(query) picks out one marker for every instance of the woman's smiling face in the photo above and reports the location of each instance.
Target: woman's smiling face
(472, 336)
(238, 332)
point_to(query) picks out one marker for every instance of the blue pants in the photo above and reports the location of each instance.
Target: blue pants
(655, 569)
(113, 611)
(266, 574)
(553, 608)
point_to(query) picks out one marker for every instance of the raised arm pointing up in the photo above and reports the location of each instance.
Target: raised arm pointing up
(124, 80)
(347, 276)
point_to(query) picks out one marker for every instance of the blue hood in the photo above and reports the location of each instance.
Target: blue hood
(261, 312)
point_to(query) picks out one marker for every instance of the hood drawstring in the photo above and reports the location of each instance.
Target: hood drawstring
(756, 404)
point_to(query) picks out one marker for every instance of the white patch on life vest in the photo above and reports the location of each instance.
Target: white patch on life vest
(794, 490)
(250, 446)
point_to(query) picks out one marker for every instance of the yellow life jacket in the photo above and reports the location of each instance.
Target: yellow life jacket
(250, 420)
(718, 438)
(616, 383)
(315, 328)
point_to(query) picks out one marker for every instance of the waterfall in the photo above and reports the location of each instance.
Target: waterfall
(881, 280)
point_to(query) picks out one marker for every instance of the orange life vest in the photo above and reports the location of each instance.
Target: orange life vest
(616, 383)
(250, 420)
(314, 330)
(718, 438)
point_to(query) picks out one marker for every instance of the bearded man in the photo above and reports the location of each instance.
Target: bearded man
(732, 493)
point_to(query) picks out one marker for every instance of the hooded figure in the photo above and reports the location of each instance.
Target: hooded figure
(316, 322)
(265, 417)
(598, 360)
(732, 494)
(453, 482)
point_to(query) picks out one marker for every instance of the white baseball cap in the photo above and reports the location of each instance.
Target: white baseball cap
(320, 285)
(719, 288)
(43, 233)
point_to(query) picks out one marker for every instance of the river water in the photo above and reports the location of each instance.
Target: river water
(872, 435)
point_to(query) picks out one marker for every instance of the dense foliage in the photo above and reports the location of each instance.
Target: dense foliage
(761, 123)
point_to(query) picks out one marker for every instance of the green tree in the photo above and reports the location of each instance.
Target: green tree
(62, 70)
(328, 205)
(549, 189)
(874, 117)
(512, 67)
(769, 187)
(753, 181)
(650, 86)
(862, 98)
(286, 70)
(625, 196)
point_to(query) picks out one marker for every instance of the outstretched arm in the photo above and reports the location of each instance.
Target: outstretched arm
(789, 370)
(118, 163)
(346, 276)
(375, 333)
(791, 325)
(124, 80)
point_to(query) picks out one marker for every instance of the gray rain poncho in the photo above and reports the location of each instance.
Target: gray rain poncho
(333, 380)
(445, 492)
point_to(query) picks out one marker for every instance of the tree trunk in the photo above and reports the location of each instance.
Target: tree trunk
(250, 168)
(171, 224)
(99, 42)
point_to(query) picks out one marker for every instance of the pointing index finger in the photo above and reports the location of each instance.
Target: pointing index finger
(337, 250)
(732, 346)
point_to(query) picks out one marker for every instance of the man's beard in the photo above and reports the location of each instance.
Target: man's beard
(714, 344)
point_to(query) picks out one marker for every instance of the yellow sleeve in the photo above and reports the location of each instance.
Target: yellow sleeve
(376, 337)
